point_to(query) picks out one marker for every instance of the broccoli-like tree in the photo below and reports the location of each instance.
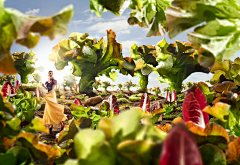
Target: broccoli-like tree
(120, 86)
(156, 90)
(91, 58)
(189, 84)
(150, 90)
(184, 86)
(165, 89)
(37, 77)
(10, 78)
(113, 86)
(2, 80)
(24, 63)
(96, 84)
(69, 81)
(128, 84)
(105, 84)
(145, 59)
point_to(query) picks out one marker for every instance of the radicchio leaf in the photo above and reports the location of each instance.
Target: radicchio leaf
(144, 104)
(7, 89)
(193, 105)
(168, 98)
(37, 92)
(157, 105)
(77, 88)
(113, 104)
(180, 148)
(174, 95)
(16, 86)
(77, 101)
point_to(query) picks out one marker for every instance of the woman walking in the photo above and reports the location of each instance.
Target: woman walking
(53, 112)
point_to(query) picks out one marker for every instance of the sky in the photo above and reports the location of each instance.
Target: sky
(84, 21)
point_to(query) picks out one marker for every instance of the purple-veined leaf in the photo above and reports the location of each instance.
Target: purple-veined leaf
(193, 105)
(113, 104)
(168, 98)
(16, 86)
(38, 92)
(7, 89)
(144, 104)
(157, 105)
(179, 148)
(174, 95)
(77, 101)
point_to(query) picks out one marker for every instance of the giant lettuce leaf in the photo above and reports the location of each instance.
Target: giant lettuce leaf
(22, 28)
(145, 13)
(216, 25)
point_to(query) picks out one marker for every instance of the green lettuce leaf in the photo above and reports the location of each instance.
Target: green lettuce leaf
(145, 13)
(22, 28)
(216, 25)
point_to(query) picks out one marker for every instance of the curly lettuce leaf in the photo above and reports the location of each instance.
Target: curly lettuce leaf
(217, 25)
(145, 13)
(22, 28)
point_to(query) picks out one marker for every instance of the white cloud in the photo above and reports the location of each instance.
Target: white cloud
(77, 22)
(87, 10)
(116, 18)
(127, 44)
(92, 18)
(117, 26)
(198, 76)
(124, 32)
(32, 12)
(144, 29)
(95, 36)
(153, 79)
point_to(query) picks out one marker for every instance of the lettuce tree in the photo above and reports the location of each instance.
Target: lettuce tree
(24, 63)
(91, 58)
(172, 62)
(145, 60)
(176, 62)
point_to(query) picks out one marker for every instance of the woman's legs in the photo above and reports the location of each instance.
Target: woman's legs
(62, 124)
(50, 128)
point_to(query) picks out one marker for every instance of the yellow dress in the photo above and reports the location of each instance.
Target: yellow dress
(53, 112)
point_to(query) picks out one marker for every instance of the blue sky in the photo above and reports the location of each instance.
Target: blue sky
(84, 21)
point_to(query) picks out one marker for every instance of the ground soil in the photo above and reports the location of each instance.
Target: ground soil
(51, 139)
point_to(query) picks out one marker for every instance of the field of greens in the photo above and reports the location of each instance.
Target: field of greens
(193, 123)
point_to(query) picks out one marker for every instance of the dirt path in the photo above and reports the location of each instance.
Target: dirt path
(51, 139)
